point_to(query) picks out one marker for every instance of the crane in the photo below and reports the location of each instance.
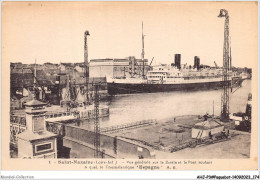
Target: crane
(96, 122)
(86, 34)
(226, 84)
(151, 61)
(216, 64)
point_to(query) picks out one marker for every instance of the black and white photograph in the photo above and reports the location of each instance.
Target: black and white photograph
(130, 80)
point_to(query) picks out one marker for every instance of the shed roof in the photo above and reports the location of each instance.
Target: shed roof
(30, 136)
(35, 102)
(25, 78)
(209, 124)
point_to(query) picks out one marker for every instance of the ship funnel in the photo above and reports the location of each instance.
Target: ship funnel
(196, 62)
(177, 61)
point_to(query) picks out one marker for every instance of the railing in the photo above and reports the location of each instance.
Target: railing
(17, 126)
(113, 129)
(58, 114)
(114, 146)
(55, 127)
(20, 120)
(79, 134)
(219, 137)
(90, 114)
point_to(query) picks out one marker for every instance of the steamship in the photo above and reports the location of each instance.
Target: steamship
(166, 78)
(173, 78)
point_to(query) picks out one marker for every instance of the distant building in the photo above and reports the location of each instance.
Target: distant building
(32, 66)
(17, 65)
(118, 68)
(80, 68)
(67, 67)
(50, 66)
(101, 67)
(22, 80)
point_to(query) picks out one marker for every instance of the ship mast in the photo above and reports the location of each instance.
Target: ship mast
(34, 79)
(59, 83)
(22, 80)
(143, 47)
(230, 57)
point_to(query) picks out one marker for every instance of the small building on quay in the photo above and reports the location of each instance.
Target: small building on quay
(35, 141)
(207, 128)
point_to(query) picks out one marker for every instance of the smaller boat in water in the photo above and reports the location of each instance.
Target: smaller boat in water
(243, 120)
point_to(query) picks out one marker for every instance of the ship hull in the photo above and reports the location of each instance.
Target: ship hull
(133, 88)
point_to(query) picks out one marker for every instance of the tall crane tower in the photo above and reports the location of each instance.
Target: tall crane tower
(96, 123)
(225, 78)
(86, 34)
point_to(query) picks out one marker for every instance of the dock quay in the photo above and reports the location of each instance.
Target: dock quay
(209, 151)
(77, 142)
(169, 136)
(198, 142)
(81, 141)
(174, 136)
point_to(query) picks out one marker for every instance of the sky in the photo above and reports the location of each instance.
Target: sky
(54, 31)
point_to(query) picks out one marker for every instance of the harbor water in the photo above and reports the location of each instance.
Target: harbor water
(165, 106)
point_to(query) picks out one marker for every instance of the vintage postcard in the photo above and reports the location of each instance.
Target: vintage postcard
(129, 86)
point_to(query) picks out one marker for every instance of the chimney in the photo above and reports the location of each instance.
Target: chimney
(178, 61)
(197, 62)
